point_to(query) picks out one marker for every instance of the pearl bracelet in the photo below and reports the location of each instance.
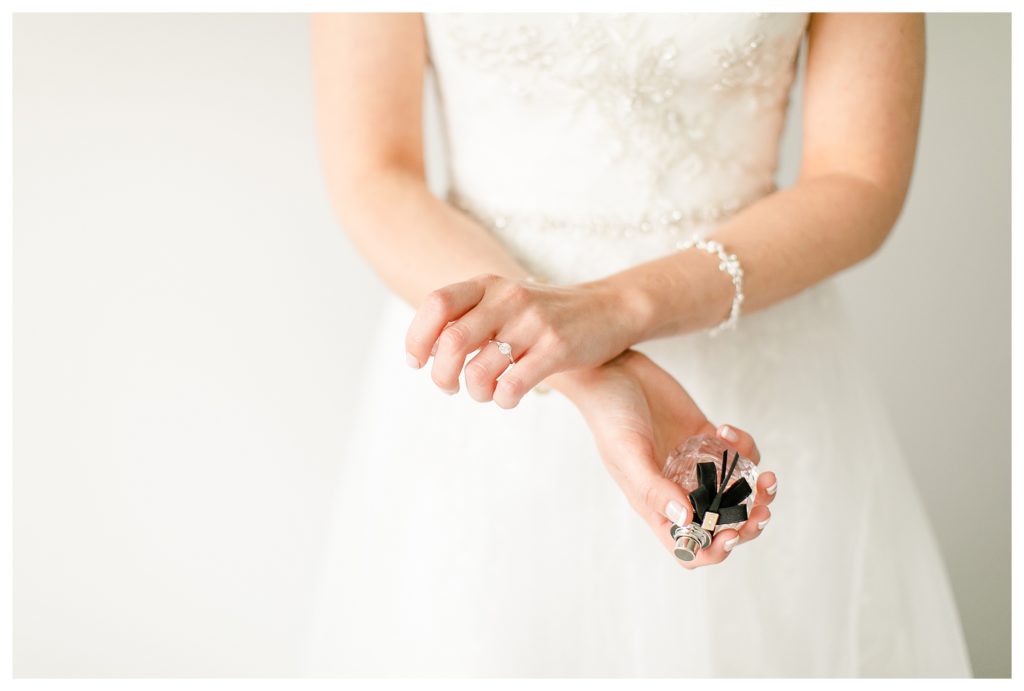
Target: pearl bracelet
(730, 265)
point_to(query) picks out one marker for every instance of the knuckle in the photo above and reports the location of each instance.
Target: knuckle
(534, 314)
(512, 386)
(454, 337)
(647, 495)
(516, 294)
(438, 377)
(556, 340)
(530, 318)
(438, 301)
(642, 498)
(706, 428)
(504, 401)
(477, 374)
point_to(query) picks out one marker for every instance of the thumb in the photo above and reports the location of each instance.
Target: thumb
(661, 504)
(665, 502)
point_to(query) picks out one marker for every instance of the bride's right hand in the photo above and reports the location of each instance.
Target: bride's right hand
(638, 414)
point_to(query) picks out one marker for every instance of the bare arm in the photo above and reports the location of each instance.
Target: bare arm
(862, 103)
(368, 86)
(862, 107)
(368, 74)
(368, 80)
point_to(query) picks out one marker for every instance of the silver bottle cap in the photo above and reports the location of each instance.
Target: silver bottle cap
(689, 541)
(687, 548)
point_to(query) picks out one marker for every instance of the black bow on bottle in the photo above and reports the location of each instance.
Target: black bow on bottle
(712, 496)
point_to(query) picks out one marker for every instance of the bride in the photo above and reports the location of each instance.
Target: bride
(612, 233)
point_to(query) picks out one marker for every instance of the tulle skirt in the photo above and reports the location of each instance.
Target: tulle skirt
(468, 540)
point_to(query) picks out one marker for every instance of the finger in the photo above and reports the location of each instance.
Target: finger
(440, 307)
(740, 441)
(767, 485)
(662, 525)
(483, 370)
(755, 523)
(456, 342)
(719, 549)
(526, 373)
(662, 503)
(659, 501)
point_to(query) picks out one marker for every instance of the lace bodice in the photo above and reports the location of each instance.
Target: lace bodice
(620, 125)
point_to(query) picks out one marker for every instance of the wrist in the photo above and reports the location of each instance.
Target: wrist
(728, 265)
(628, 304)
(678, 293)
(581, 385)
(571, 383)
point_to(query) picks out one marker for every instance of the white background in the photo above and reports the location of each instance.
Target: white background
(188, 323)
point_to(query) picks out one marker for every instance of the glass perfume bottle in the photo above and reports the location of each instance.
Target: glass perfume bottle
(720, 484)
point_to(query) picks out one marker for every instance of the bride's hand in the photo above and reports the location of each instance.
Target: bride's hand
(638, 414)
(550, 329)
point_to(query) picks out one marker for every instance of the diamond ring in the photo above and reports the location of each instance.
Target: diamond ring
(505, 350)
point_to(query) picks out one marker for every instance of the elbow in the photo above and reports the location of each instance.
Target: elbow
(875, 202)
(874, 190)
(886, 201)
(361, 198)
(353, 196)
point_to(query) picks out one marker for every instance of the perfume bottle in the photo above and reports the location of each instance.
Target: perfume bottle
(721, 490)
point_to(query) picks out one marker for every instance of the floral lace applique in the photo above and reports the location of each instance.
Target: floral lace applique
(604, 64)
(764, 68)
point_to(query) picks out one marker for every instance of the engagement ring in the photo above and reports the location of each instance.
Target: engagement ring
(505, 349)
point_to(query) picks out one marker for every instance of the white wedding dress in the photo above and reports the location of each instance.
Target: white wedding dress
(468, 540)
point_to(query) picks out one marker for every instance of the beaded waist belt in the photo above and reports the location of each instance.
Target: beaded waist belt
(669, 221)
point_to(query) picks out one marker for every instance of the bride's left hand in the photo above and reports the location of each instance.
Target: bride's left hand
(550, 329)
(638, 413)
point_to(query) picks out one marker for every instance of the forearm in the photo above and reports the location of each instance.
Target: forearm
(785, 242)
(417, 243)
(368, 92)
(414, 241)
(861, 111)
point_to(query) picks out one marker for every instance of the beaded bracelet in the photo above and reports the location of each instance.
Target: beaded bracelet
(730, 265)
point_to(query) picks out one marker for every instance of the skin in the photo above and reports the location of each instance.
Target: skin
(638, 414)
(862, 100)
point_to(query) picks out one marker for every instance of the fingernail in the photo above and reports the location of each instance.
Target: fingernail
(771, 490)
(433, 348)
(762, 524)
(451, 392)
(675, 512)
(729, 544)
(411, 360)
(727, 432)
